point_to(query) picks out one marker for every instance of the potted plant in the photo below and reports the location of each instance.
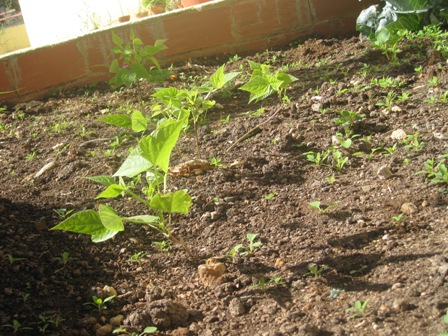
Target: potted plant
(142, 10)
(155, 6)
(124, 17)
(188, 3)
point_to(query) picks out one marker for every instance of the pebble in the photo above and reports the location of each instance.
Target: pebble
(236, 307)
(109, 291)
(384, 172)
(104, 330)
(400, 305)
(398, 135)
(116, 320)
(408, 208)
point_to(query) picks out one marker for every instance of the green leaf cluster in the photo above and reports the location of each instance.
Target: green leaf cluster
(263, 82)
(136, 61)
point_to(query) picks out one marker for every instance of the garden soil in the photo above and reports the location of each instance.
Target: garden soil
(372, 259)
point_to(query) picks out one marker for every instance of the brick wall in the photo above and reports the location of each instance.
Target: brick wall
(220, 26)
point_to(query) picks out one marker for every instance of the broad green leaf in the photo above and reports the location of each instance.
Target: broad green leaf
(217, 79)
(134, 164)
(114, 66)
(142, 219)
(86, 222)
(104, 180)
(178, 201)
(109, 218)
(116, 39)
(121, 120)
(158, 146)
(286, 79)
(258, 87)
(111, 191)
(139, 122)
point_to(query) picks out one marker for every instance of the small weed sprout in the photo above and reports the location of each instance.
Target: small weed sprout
(335, 292)
(359, 270)
(136, 258)
(317, 205)
(436, 171)
(269, 197)
(264, 285)
(215, 161)
(315, 270)
(246, 250)
(359, 309)
(63, 212)
(398, 219)
(99, 304)
(146, 331)
(445, 320)
(162, 246)
(13, 259)
(65, 258)
(16, 326)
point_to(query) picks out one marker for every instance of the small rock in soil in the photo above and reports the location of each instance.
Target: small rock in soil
(211, 273)
(167, 313)
(236, 307)
(409, 208)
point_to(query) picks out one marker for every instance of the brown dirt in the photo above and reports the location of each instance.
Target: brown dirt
(402, 266)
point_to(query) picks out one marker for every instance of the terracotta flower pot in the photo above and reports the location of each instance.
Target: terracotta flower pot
(124, 18)
(141, 14)
(189, 3)
(158, 9)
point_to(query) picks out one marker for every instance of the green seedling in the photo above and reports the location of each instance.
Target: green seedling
(348, 118)
(390, 150)
(318, 158)
(99, 304)
(136, 258)
(436, 171)
(146, 331)
(315, 270)
(263, 82)
(246, 250)
(135, 61)
(269, 197)
(359, 270)
(162, 246)
(317, 205)
(412, 142)
(331, 179)
(445, 320)
(434, 81)
(225, 120)
(65, 258)
(397, 219)
(388, 101)
(359, 309)
(147, 164)
(339, 160)
(335, 292)
(16, 326)
(46, 321)
(13, 259)
(25, 297)
(264, 285)
(215, 161)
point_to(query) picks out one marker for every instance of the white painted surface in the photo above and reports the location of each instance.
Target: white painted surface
(51, 21)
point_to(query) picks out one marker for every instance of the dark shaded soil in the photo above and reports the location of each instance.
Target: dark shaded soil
(264, 187)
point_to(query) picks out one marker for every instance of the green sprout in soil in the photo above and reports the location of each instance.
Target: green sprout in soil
(359, 309)
(359, 270)
(318, 206)
(136, 258)
(162, 246)
(264, 284)
(64, 259)
(99, 304)
(146, 331)
(315, 270)
(16, 326)
(246, 250)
